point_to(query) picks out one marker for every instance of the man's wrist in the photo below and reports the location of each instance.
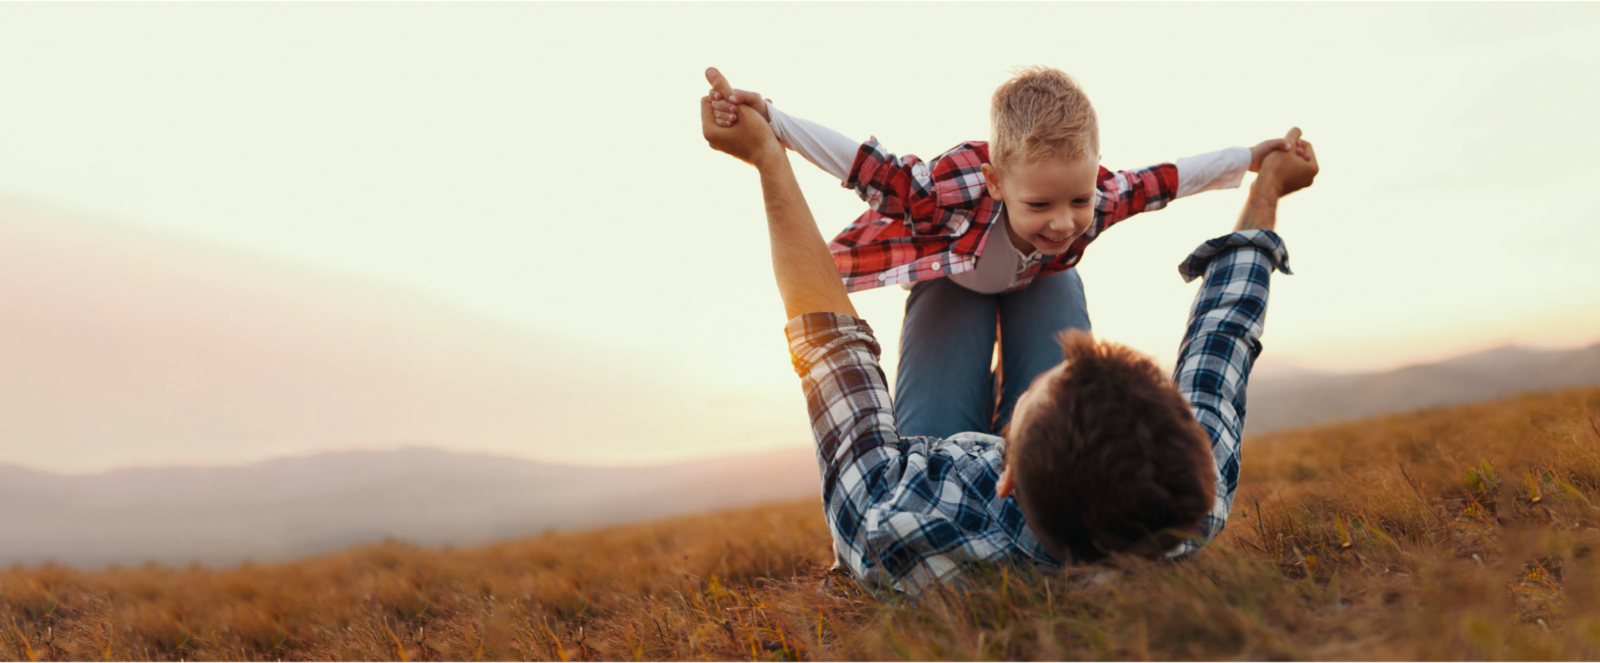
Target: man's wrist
(769, 159)
(1261, 208)
(1266, 185)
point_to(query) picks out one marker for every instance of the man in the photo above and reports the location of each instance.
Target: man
(1106, 455)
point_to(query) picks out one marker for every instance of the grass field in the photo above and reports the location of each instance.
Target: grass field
(1466, 533)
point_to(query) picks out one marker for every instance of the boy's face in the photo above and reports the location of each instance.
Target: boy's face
(1049, 202)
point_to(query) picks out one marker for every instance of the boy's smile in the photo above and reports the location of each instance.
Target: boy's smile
(1049, 203)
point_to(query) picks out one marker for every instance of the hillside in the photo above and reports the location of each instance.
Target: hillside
(299, 506)
(1282, 400)
(1461, 533)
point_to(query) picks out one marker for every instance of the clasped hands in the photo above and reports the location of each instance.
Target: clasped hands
(736, 129)
(1288, 171)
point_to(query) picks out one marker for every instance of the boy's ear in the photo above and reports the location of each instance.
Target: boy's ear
(991, 179)
(1002, 487)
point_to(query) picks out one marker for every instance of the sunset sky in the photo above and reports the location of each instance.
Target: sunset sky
(538, 168)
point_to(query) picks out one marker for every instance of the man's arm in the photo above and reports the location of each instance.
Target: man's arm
(836, 356)
(1227, 320)
(807, 279)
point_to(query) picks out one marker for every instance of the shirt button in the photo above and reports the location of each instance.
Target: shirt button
(934, 267)
(882, 277)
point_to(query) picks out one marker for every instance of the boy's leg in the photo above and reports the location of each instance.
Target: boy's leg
(1030, 318)
(943, 385)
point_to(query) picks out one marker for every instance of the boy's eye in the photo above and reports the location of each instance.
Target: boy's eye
(1038, 205)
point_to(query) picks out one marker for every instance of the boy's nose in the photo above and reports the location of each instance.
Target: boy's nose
(1065, 225)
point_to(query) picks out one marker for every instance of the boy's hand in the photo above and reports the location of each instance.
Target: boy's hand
(725, 100)
(751, 142)
(1261, 150)
(1288, 173)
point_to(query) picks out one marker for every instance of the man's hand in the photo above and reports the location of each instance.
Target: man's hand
(725, 100)
(1282, 173)
(751, 141)
(1289, 173)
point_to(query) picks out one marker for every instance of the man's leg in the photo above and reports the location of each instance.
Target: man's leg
(1030, 318)
(943, 385)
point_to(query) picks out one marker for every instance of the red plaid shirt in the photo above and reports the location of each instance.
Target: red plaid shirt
(933, 220)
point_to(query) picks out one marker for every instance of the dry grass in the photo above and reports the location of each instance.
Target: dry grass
(1467, 533)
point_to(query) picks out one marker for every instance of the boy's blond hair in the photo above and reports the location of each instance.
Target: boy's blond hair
(1041, 112)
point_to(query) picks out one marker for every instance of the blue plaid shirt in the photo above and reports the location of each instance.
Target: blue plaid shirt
(906, 511)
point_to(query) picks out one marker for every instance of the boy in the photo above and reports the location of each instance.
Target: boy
(1006, 221)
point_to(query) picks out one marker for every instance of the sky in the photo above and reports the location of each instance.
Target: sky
(539, 166)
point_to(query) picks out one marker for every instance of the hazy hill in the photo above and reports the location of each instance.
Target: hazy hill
(294, 507)
(1287, 399)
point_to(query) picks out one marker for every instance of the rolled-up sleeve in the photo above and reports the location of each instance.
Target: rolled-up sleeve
(858, 449)
(1221, 345)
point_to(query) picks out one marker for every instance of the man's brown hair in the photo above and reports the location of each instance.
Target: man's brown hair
(1041, 112)
(1110, 458)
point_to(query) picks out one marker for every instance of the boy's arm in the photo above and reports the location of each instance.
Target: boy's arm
(1125, 193)
(825, 148)
(1222, 169)
(1225, 169)
(1129, 192)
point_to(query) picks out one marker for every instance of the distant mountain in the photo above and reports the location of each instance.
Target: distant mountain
(292, 507)
(1291, 399)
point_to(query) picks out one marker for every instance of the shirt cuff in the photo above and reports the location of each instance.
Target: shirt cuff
(1222, 169)
(1195, 265)
(813, 336)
